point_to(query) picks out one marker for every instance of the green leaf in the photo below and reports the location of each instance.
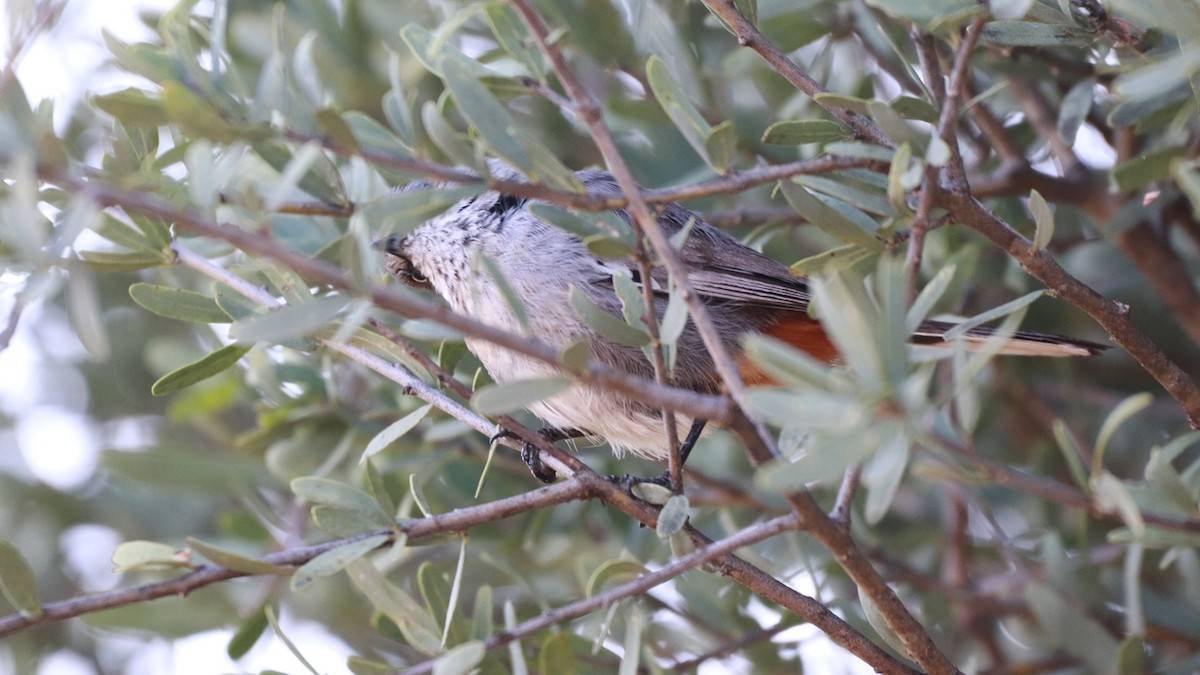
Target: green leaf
(104, 261)
(247, 634)
(1071, 452)
(148, 555)
(891, 123)
(347, 523)
(132, 106)
(799, 132)
(18, 583)
(1071, 629)
(672, 517)
(1076, 105)
(1029, 34)
(513, 36)
(491, 119)
(1119, 415)
(236, 562)
(616, 571)
(882, 476)
(604, 323)
(928, 297)
(880, 623)
(326, 492)
(1113, 496)
(506, 397)
(460, 660)
(415, 622)
(176, 303)
(200, 370)
(784, 363)
(431, 51)
(291, 321)
(1043, 217)
(720, 144)
(1146, 168)
(900, 180)
(336, 129)
(851, 103)
(912, 108)
(1131, 656)
(993, 314)
(652, 493)
(826, 218)
(334, 560)
(395, 430)
(483, 610)
(688, 120)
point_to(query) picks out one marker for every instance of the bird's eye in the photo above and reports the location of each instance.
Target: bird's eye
(415, 275)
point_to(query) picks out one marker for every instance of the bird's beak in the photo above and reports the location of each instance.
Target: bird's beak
(393, 245)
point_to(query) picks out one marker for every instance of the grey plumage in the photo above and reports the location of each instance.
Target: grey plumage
(745, 291)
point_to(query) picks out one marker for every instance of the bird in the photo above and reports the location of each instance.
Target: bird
(744, 291)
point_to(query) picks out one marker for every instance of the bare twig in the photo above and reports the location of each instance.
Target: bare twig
(455, 521)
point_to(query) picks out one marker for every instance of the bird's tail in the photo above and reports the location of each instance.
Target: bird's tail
(1020, 343)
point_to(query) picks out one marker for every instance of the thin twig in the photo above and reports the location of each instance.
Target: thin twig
(455, 521)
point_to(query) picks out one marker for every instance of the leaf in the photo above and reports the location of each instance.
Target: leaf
(461, 659)
(87, 318)
(1043, 217)
(604, 323)
(1071, 629)
(1029, 34)
(512, 35)
(879, 622)
(236, 562)
(799, 132)
(784, 363)
(176, 303)
(1076, 105)
(335, 128)
(506, 397)
(291, 321)
(899, 176)
(882, 476)
(617, 570)
(401, 212)
(992, 314)
(1113, 496)
(491, 119)
(720, 145)
(334, 560)
(104, 261)
(695, 129)
(652, 493)
(1071, 452)
(394, 431)
(148, 555)
(1009, 10)
(1145, 169)
(247, 634)
(198, 371)
(1124, 410)
(828, 219)
(928, 297)
(851, 103)
(326, 492)
(672, 517)
(18, 583)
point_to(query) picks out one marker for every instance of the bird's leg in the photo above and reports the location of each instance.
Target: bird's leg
(664, 479)
(530, 454)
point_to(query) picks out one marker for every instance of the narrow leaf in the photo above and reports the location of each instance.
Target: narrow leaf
(506, 397)
(236, 562)
(394, 431)
(200, 370)
(1043, 217)
(176, 303)
(334, 560)
(18, 583)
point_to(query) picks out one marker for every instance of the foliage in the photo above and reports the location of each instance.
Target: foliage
(208, 235)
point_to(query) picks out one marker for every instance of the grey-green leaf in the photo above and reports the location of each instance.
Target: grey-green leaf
(176, 303)
(200, 370)
(506, 397)
(18, 583)
(334, 560)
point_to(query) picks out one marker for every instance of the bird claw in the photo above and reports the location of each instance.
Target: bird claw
(530, 455)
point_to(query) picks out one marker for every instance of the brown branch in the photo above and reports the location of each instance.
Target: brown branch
(749, 36)
(715, 408)
(1161, 265)
(1112, 316)
(455, 521)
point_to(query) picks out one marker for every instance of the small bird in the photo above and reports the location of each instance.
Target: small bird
(744, 291)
